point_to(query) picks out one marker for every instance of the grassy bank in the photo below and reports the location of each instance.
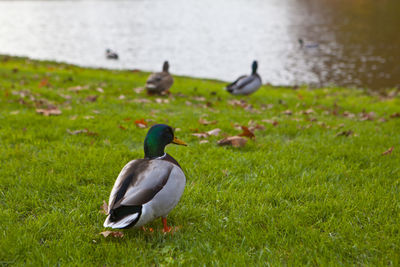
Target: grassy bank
(312, 188)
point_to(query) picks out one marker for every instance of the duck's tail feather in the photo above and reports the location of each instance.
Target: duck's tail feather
(123, 217)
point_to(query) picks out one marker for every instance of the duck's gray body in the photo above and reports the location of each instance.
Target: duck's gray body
(246, 84)
(145, 190)
(160, 81)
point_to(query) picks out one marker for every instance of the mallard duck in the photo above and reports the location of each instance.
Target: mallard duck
(160, 81)
(147, 188)
(111, 54)
(246, 85)
(308, 45)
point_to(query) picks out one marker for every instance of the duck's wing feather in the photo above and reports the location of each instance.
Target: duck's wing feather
(139, 181)
(234, 84)
(246, 81)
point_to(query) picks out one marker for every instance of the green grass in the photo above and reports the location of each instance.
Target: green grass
(297, 194)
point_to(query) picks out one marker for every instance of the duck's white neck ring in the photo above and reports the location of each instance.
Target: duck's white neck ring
(163, 156)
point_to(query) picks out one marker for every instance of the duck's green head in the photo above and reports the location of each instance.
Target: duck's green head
(157, 138)
(254, 67)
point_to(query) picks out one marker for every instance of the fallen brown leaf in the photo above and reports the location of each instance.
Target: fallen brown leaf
(86, 131)
(273, 122)
(395, 115)
(389, 151)
(100, 90)
(348, 114)
(43, 82)
(161, 101)
(138, 90)
(214, 132)
(368, 116)
(246, 132)
(141, 100)
(122, 127)
(112, 233)
(48, 112)
(199, 98)
(203, 141)
(141, 123)
(92, 98)
(200, 135)
(104, 208)
(308, 111)
(205, 122)
(78, 88)
(235, 141)
(345, 133)
(287, 112)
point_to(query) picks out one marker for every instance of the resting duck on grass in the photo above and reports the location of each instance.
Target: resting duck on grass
(160, 81)
(246, 85)
(111, 54)
(147, 188)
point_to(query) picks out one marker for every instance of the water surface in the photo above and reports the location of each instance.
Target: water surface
(347, 42)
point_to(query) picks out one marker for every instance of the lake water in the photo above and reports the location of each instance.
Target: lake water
(346, 42)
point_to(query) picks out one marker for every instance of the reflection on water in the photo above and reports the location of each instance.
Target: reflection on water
(355, 42)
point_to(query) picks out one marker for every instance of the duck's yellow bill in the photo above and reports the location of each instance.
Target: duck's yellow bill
(178, 142)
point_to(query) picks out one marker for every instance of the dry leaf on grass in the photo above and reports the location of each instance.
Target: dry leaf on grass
(235, 141)
(138, 90)
(389, 151)
(200, 135)
(246, 132)
(287, 112)
(368, 116)
(161, 101)
(44, 82)
(141, 100)
(48, 112)
(205, 122)
(122, 127)
(78, 88)
(141, 123)
(199, 98)
(203, 141)
(273, 122)
(91, 98)
(86, 131)
(104, 208)
(345, 133)
(395, 115)
(112, 233)
(100, 90)
(348, 114)
(308, 111)
(214, 132)
(121, 97)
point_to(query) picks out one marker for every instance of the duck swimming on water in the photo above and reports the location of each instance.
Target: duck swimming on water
(111, 54)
